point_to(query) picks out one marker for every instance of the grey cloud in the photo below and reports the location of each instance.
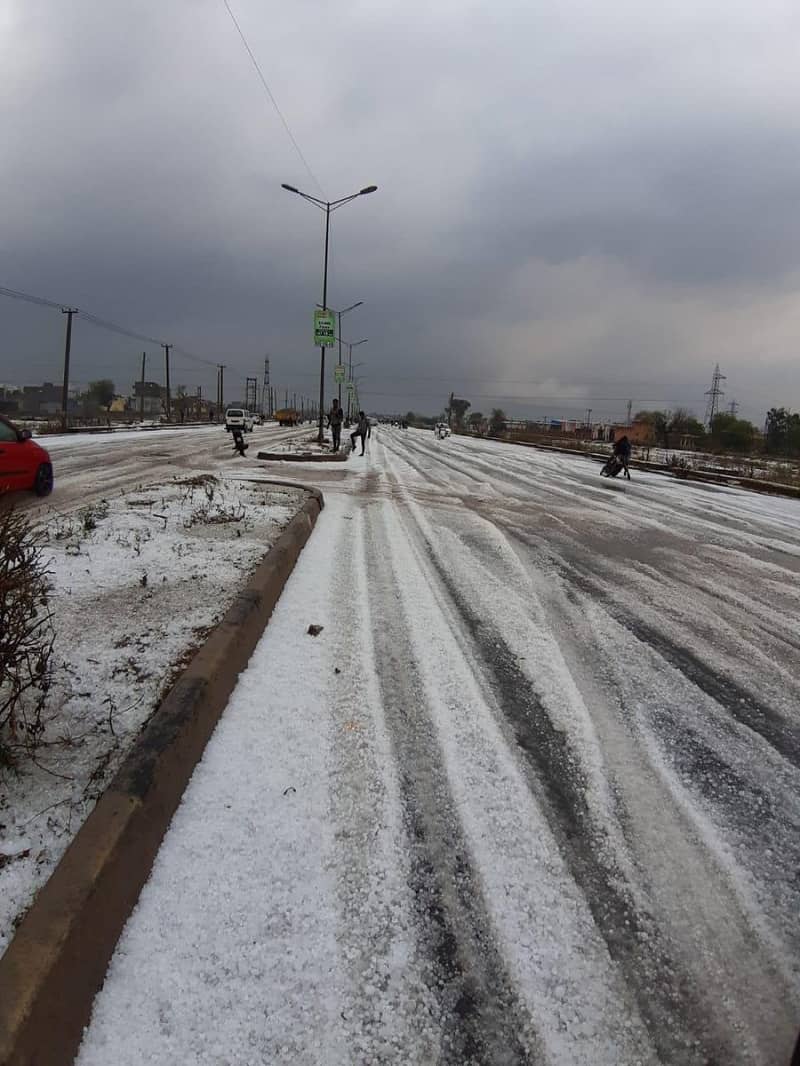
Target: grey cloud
(564, 198)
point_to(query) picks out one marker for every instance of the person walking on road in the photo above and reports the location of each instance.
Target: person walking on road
(622, 450)
(363, 429)
(335, 419)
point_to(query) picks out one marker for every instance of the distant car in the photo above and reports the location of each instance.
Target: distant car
(24, 464)
(238, 418)
(441, 429)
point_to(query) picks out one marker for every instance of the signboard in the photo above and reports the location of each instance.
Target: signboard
(351, 386)
(324, 328)
(338, 373)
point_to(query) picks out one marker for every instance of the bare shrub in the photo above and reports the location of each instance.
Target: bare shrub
(26, 636)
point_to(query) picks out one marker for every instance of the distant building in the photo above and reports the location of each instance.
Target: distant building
(10, 397)
(154, 396)
(41, 400)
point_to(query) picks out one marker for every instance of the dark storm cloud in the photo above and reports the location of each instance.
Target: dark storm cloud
(567, 196)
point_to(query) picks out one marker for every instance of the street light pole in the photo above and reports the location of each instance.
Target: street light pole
(327, 206)
(320, 435)
(339, 314)
(351, 346)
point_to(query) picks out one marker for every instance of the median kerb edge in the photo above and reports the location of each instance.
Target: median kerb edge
(58, 958)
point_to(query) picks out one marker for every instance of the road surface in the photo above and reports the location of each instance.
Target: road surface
(531, 796)
(89, 466)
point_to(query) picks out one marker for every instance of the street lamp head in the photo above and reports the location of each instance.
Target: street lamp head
(289, 188)
(369, 188)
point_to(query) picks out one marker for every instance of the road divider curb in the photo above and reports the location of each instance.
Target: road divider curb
(302, 457)
(57, 961)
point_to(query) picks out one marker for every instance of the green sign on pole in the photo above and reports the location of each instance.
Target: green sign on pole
(324, 329)
(338, 373)
(351, 386)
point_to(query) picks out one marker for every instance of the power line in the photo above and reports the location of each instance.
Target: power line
(101, 323)
(14, 295)
(273, 100)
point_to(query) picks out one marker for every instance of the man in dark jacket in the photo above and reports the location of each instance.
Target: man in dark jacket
(335, 419)
(622, 450)
(363, 429)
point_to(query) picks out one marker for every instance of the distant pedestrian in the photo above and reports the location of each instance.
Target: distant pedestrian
(363, 429)
(335, 419)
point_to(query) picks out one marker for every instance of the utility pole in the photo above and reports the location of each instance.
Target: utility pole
(714, 395)
(588, 416)
(266, 395)
(630, 408)
(450, 411)
(221, 388)
(166, 348)
(69, 312)
(141, 397)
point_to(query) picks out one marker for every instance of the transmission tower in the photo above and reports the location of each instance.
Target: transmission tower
(733, 407)
(714, 395)
(251, 394)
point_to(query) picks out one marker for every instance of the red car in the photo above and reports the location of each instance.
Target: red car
(24, 464)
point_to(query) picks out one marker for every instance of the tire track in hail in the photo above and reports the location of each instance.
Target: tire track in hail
(370, 841)
(738, 701)
(679, 1030)
(480, 1013)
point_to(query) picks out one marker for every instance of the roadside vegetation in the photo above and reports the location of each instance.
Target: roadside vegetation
(26, 637)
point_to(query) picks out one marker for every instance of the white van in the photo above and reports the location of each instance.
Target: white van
(238, 418)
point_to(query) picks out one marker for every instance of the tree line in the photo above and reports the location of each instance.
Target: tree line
(727, 432)
(454, 414)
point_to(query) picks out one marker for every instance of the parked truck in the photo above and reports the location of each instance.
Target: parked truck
(287, 416)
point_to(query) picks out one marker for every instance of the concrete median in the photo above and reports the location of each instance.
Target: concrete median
(58, 958)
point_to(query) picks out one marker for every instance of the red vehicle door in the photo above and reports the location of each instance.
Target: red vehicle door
(15, 472)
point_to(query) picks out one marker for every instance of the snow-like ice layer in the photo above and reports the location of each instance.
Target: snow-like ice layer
(297, 915)
(136, 584)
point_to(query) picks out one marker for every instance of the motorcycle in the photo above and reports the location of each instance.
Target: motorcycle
(239, 444)
(613, 466)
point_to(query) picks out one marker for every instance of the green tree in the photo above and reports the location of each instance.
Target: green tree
(782, 432)
(457, 410)
(731, 433)
(102, 393)
(497, 423)
(658, 421)
(475, 421)
(683, 421)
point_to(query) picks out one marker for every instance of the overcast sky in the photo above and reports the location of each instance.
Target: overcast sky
(580, 201)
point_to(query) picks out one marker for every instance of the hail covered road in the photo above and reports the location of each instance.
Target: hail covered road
(531, 796)
(90, 466)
